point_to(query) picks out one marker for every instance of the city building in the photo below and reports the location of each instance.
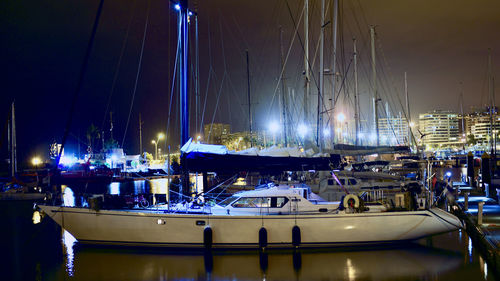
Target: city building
(393, 130)
(439, 129)
(480, 125)
(214, 133)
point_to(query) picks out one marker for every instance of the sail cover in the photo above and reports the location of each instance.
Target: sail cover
(216, 158)
(353, 150)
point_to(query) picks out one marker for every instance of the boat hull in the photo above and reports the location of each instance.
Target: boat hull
(155, 229)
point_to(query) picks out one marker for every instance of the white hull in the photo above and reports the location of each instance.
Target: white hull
(149, 228)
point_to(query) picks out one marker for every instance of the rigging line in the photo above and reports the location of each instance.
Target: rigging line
(223, 79)
(173, 83)
(138, 70)
(286, 59)
(302, 45)
(343, 82)
(209, 72)
(217, 104)
(80, 80)
(389, 69)
(118, 64)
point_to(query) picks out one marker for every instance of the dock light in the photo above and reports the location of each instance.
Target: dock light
(448, 174)
(274, 127)
(177, 7)
(36, 161)
(161, 136)
(341, 117)
(190, 13)
(302, 130)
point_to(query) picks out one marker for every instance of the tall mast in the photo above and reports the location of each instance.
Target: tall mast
(140, 135)
(249, 100)
(321, 79)
(197, 70)
(14, 142)
(334, 62)
(374, 81)
(183, 66)
(462, 107)
(283, 87)
(356, 100)
(306, 61)
(492, 106)
(408, 112)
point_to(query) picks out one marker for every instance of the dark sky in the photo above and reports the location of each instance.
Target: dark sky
(438, 43)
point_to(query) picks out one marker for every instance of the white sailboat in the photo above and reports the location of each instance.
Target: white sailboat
(275, 217)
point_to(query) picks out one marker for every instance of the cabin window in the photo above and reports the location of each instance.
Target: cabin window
(248, 202)
(331, 182)
(259, 202)
(278, 202)
(352, 182)
(227, 201)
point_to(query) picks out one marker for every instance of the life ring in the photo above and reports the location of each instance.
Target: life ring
(352, 201)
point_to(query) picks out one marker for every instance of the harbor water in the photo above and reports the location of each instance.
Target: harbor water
(44, 251)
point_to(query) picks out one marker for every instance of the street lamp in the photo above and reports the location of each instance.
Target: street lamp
(155, 142)
(36, 161)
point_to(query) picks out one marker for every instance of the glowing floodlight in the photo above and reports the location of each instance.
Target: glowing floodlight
(274, 127)
(302, 130)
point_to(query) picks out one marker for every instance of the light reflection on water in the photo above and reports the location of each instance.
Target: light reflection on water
(404, 262)
(69, 241)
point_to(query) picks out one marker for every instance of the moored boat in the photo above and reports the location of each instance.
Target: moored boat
(277, 217)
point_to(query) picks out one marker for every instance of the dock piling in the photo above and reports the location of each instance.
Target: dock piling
(466, 201)
(480, 213)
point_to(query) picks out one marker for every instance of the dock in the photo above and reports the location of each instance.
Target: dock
(483, 229)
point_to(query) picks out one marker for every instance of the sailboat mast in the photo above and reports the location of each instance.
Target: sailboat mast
(249, 100)
(14, 142)
(408, 112)
(321, 78)
(374, 78)
(197, 71)
(306, 61)
(140, 135)
(356, 99)
(462, 107)
(283, 87)
(183, 66)
(492, 106)
(334, 62)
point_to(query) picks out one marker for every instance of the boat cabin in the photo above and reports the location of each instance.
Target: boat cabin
(276, 200)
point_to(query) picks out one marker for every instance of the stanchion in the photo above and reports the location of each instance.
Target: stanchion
(466, 201)
(480, 213)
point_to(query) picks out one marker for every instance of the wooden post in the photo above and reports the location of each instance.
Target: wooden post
(466, 201)
(480, 213)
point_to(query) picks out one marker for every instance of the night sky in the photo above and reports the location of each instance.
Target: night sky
(440, 44)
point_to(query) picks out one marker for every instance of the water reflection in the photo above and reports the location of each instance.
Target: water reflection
(139, 264)
(68, 196)
(69, 243)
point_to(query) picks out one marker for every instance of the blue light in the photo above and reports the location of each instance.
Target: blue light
(448, 174)
(177, 7)
(189, 13)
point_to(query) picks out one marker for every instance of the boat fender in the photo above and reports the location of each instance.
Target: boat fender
(351, 200)
(296, 236)
(263, 237)
(207, 237)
